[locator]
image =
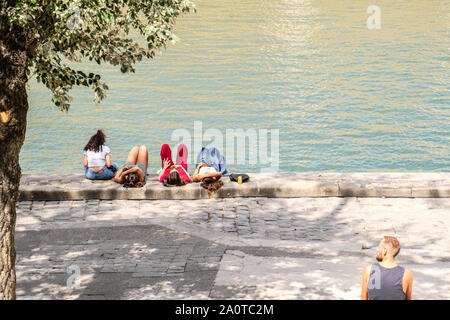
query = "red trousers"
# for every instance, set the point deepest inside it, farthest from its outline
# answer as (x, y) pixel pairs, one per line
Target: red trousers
(166, 153)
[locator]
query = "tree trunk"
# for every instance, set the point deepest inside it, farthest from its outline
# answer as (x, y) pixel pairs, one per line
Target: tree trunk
(14, 57)
(10, 178)
(12, 135)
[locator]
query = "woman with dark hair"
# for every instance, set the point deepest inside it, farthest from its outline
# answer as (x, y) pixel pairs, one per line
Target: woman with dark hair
(134, 172)
(209, 178)
(211, 166)
(174, 174)
(97, 159)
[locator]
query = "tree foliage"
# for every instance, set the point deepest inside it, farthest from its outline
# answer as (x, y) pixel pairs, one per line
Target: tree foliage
(104, 31)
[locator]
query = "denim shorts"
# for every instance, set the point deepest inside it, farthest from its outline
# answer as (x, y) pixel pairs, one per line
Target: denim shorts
(106, 173)
(140, 166)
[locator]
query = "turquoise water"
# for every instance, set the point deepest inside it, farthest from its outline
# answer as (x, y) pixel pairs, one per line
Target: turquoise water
(343, 97)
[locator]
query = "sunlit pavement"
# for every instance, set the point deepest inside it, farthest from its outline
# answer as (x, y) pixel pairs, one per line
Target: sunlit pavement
(233, 248)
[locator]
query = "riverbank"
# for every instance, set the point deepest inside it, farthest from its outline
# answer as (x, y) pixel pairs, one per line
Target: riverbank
(271, 185)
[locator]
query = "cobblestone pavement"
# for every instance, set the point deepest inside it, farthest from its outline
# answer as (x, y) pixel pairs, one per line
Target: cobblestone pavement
(240, 248)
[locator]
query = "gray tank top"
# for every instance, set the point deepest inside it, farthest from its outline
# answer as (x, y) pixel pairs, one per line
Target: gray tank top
(385, 283)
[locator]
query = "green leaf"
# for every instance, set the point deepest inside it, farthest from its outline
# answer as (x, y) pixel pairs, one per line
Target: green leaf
(102, 37)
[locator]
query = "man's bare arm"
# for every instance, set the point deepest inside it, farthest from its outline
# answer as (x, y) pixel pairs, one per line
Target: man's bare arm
(408, 281)
(365, 279)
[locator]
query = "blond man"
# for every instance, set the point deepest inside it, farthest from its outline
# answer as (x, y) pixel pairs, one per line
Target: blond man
(386, 280)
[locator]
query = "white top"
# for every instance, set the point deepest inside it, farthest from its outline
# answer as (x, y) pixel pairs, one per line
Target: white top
(206, 170)
(97, 159)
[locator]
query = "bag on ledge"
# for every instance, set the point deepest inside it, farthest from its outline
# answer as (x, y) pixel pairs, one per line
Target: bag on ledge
(234, 177)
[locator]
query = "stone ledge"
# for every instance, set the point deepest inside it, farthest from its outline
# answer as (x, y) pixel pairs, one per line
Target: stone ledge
(272, 185)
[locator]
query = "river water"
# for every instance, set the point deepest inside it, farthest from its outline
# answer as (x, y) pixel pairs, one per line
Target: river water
(334, 94)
